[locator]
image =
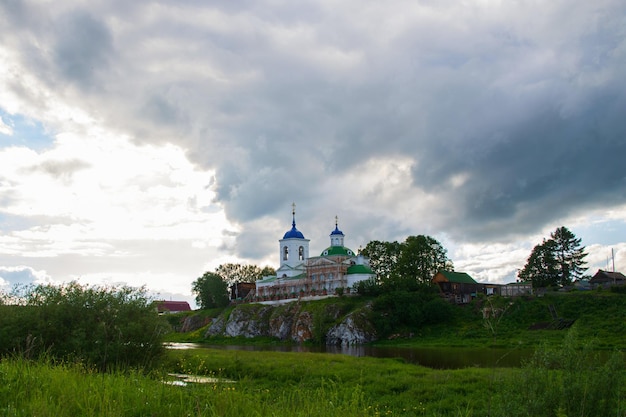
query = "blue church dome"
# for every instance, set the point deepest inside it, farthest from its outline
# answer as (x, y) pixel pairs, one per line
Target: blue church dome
(293, 233)
(336, 231)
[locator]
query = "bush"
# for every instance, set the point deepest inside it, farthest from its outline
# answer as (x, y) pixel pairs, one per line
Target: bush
(408, 310)
(99, 326)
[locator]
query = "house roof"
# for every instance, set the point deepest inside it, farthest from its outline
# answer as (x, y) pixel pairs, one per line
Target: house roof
(173, 306)
(457, 277)
(519, 283)
(606, 276)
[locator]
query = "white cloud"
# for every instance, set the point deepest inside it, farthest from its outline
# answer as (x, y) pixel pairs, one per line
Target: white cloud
(118, 192)
(13, 275)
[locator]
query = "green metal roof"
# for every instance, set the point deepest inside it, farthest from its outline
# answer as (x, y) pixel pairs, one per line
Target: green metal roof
(359, 269)
(458, 277)
(337, 250)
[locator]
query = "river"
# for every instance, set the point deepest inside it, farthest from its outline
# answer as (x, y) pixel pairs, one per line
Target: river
(436, 358)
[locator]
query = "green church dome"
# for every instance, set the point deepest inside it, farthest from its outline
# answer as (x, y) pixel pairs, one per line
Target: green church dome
(337, 250)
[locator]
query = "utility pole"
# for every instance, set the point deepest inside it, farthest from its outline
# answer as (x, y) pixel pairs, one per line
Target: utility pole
(613, 259)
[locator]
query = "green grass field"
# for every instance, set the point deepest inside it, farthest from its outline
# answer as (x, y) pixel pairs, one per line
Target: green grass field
(312, 384)
(267, 384)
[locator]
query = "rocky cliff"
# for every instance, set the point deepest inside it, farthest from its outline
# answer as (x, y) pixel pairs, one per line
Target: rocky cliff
(298, 322)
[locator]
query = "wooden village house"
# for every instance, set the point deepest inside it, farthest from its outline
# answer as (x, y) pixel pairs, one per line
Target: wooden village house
(607, 279)
(457, 287)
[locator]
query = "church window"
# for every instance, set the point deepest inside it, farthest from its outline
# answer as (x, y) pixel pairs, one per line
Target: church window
(285, 253)
(301, 253)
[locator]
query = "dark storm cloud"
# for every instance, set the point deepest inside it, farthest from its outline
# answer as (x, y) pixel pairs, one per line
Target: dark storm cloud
(510, 117)
(82, 47)
(545, 167)
(64, 41)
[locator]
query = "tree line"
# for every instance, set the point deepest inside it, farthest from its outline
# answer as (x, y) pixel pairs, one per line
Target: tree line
(411, 264)
(211, 289)
(406, 264)
(397, 265)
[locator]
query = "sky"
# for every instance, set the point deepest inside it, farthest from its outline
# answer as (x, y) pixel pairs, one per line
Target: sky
(145, 143)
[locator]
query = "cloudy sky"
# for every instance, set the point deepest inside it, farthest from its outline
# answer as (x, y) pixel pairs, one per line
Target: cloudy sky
(147, 142)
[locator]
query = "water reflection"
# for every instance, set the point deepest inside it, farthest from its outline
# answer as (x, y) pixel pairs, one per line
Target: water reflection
(436, 358)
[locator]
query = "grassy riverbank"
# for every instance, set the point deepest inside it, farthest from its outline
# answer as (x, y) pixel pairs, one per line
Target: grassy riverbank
(599, 318)
(279, 384)
(267, 384)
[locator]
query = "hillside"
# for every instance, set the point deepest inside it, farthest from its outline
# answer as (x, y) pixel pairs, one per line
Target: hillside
(599, 317)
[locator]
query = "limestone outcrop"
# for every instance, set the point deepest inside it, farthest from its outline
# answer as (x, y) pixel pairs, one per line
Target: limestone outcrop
(297, 322)
(354, 329)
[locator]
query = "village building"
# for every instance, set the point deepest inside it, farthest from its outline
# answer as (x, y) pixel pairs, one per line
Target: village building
(170, 307)
(335, 271)
(457, 287)
(515, 289)
(241, 290)
(606, 279)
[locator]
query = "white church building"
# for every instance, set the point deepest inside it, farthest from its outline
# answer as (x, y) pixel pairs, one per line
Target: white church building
(335, 271)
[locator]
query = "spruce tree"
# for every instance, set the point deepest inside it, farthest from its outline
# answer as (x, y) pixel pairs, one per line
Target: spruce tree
(569, 255)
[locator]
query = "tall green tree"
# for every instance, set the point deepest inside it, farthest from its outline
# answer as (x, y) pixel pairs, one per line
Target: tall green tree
(569, 255)
(211, 291)
(541, 266)
(408, 264)
(383, 257)
(421, 257)
(556, 261)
